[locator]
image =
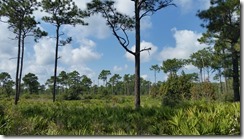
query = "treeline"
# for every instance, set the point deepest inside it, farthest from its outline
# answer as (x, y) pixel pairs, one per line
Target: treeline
(73, 84)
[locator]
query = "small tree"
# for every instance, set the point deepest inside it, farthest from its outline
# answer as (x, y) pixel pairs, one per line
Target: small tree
(86, 83)
(62, 12)
(31, 82)
(177, 89)
(172, 66)
(156, 69)
(114, 80)
(6, 83)
(104, 76)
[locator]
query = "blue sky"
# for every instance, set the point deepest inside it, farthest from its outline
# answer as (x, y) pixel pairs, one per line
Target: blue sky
(171, 32)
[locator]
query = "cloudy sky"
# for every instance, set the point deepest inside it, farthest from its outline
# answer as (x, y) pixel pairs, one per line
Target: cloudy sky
(171, 33)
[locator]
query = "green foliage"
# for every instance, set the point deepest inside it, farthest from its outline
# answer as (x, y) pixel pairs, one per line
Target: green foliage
(154, 91)
(156, 69)
(176, 89)
(31, 82)
(205, 90)
(172, 65)
(63, 12)
(6, 83)
(104, 76)
(116, 116)
(222, 21)
(73, 93)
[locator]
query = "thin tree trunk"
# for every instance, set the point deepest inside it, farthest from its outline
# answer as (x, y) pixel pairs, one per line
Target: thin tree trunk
(56, 63)
(17, 68)
(22, 63)
(155, 76)
(137, 56)
(226, 85)
(201, 75)
(220, 81)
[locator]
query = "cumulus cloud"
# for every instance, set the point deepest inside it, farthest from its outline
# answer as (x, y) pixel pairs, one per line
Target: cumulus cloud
(80, 55)
(97, 28)
(146, 56)
(45, 51)
(8, 50)
(71, 58)
(192, 5)
(186, 44)
(125, 6)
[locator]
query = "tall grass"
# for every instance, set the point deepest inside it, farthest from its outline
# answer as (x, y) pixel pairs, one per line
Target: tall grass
(116, 116)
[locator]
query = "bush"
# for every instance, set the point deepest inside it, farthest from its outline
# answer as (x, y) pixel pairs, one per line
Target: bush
(72, 94)
(154, 91)
(176, 89)
(205, 90)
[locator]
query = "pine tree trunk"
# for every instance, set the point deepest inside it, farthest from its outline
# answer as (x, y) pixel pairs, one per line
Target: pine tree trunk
(56, 64)
(17, 68)
(137, 56)
(236, 85)
(21, 64)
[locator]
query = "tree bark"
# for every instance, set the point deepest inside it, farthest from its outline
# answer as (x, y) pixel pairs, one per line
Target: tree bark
(17, 68)
(235, 74)
(137, 56)
(21, 63)
(56, 63)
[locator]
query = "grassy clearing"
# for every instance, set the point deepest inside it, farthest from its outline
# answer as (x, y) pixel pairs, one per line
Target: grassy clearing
(115, 116)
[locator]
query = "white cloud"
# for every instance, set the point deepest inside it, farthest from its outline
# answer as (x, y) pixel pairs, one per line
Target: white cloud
(8, 50)
(186, 5)
(81, 3)
(144, 76)
(146, 56)
(96, 28)
(81, 55)
(118, 68)
(186, 44)
(146, 23)
(125, 7)
(45, 51)
(71, 58)
(192, 5)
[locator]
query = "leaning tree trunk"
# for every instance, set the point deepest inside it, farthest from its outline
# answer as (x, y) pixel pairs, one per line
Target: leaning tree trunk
(137, 56)
(235, 74)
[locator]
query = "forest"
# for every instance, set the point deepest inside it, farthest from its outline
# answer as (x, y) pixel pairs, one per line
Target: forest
(69, 103)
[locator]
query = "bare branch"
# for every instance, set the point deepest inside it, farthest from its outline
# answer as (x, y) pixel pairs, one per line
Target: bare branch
(146, 49)
(124, 42)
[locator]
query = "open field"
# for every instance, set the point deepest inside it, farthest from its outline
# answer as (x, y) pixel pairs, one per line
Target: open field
(115, 115)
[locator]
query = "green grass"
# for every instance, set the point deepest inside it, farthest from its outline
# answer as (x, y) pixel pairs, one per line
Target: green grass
(115, 115)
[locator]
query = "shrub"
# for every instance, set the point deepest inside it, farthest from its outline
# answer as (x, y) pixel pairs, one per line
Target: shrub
(72, 94)
(176, 89)
(205, 90)
(154, 91)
